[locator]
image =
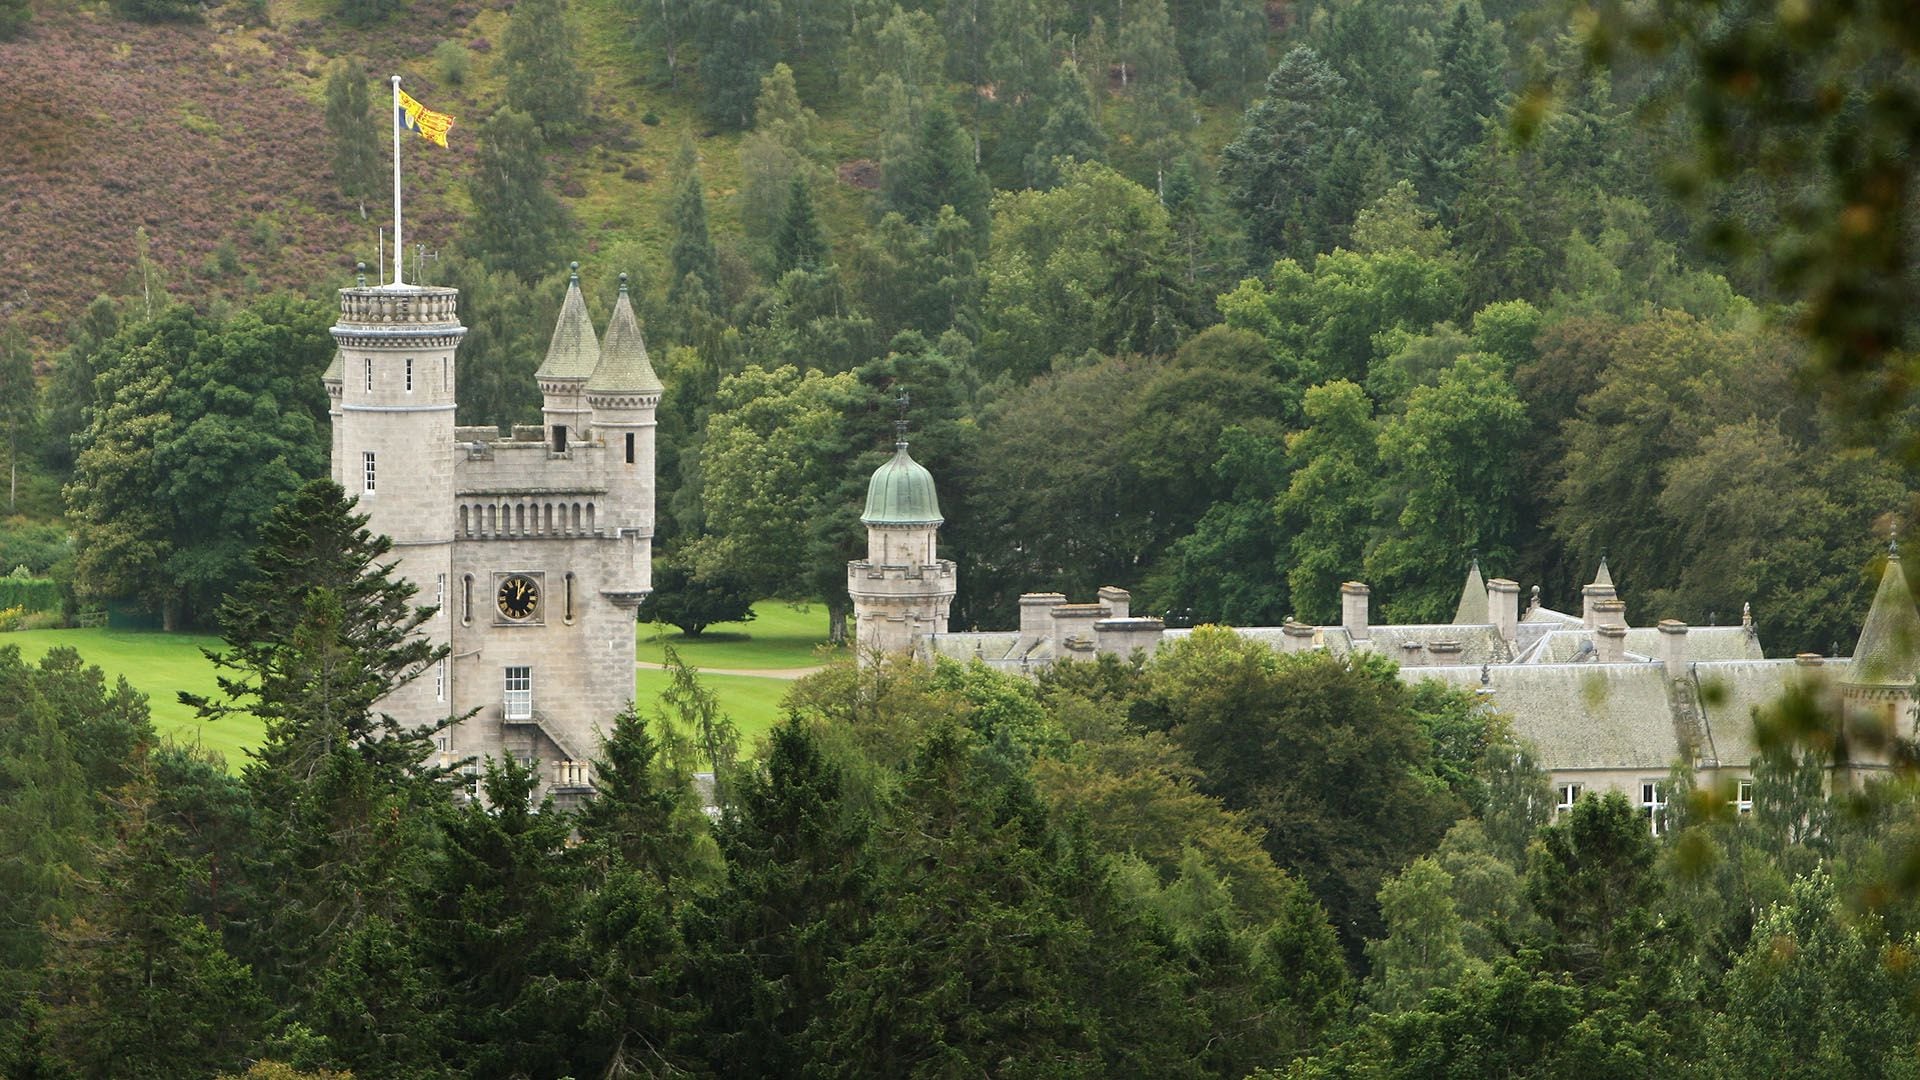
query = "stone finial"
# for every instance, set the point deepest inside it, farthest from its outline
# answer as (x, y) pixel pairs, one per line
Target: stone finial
(360, 274)
(573, 273)
(623, 282)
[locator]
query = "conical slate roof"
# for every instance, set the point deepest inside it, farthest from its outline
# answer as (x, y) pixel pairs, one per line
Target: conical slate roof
(336, 370)
(575, 350)
(1472, 610)
(901, 493)
(1890, 640)
(624, 367)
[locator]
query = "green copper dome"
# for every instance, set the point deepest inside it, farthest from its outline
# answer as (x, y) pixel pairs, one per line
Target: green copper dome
(901, 493)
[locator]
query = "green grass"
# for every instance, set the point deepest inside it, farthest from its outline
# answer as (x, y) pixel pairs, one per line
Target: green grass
(752, 703)
(779, 636)
(159, 666)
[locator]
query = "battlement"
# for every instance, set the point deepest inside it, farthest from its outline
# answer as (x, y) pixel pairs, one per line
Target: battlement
(401, 306)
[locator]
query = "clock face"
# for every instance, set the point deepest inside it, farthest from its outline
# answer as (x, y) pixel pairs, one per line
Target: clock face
(518, 598)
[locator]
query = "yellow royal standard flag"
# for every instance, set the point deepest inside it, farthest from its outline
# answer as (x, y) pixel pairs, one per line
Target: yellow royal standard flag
(431, 125)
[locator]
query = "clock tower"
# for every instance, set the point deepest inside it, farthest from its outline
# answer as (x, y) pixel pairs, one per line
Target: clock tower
(535, 544)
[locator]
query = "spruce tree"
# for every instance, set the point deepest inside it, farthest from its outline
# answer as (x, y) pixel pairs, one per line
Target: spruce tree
(355, 136)
(692, 254)
(544, 78)
(1274, 169)
(738, 42)
(517, 223)
(1069, 131)
(1163, 112)
(1468, 98)
(637, 818)
(797, 892)
(799, 244)
(938, 171)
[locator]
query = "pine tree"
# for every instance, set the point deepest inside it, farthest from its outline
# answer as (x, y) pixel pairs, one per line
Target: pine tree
(738, 42)
(636, 818)
(1468, 98)
(1274, 168)
(1069, 131)
(938, 171)
(692, 254)
(544, 79)
(1163, 112)
(796, 897)
(517, 223)
(316, 638)
(356, 138)
(799, 244)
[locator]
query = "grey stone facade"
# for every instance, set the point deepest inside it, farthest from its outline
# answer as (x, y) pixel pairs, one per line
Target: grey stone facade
(536, 547)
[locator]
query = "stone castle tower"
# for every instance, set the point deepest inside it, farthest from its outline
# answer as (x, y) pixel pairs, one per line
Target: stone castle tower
(902, 589)
(1877, 696)
(536, 548)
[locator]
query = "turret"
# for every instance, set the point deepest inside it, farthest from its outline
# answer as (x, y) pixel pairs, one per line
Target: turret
(623, 395)
(393, 442)
(1472, 608)
(902, 589)
(571, 359)
(1877, 697)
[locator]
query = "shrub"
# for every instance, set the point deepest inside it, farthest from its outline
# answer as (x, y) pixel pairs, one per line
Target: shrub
(31, 594)
(452, 60)
(10, 619)
(157, 10)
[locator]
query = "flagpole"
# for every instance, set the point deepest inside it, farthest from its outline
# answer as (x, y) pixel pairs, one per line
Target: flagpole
(398, 247)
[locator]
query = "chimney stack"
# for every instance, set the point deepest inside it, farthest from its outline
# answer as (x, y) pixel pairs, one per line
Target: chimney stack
(1503, 606)
(1036, 618)
(1673, 647)
(1353, 609)
(1117, 601)
(1610, 643)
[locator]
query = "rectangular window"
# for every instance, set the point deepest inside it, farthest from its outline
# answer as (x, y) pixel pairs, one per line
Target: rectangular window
(445, 364)
(1743, 797)
(366, 459)
(440, 682)
(629, 447)
(369, 366)
(440, 592)
(466, 600)
(1654, 803)
(567, 610)
(519, 700)
(1568, 795)
(560, 438)
(409, 374)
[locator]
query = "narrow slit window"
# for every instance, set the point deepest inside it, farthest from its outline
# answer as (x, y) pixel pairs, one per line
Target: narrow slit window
(440, 682)
(567, 609)
(629, 447)
(369, 368)
(366, 460)
(466, 600)
(409, 374)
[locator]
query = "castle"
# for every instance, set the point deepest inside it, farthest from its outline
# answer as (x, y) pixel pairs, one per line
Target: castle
(535, 549)
(1605, 705)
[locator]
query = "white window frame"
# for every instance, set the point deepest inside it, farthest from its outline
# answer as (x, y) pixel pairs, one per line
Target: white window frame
(1742, 796)
(368, 471)
(1566, 795)
(1653, 802)
(517, 704)
(369, 367)
(440, 680)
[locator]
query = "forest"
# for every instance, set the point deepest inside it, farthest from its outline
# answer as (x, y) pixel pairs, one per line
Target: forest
(1221, 302)
(1222, 862)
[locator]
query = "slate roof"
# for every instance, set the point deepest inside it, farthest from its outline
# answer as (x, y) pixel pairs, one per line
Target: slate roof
(624, 367)
(575, 350)
(1890, 637)
(1472, 609)
(1582, 716)
(1730, 693)
(336, 368)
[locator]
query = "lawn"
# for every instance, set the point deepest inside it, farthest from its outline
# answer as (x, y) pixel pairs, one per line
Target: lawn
(779, 636)
(159, 666)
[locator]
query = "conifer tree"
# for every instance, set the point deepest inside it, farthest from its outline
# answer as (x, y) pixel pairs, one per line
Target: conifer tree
(1469, 91)
(544, 78)
(799, 244)
(738, 42)
(796, 897)
(355, 136)
(938, 170)
(14, 16)
(19, 402)
(1163, 112)
(691, 255)
(1274, 168)
(517, 222)
(636, 818)
(1069, 131)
